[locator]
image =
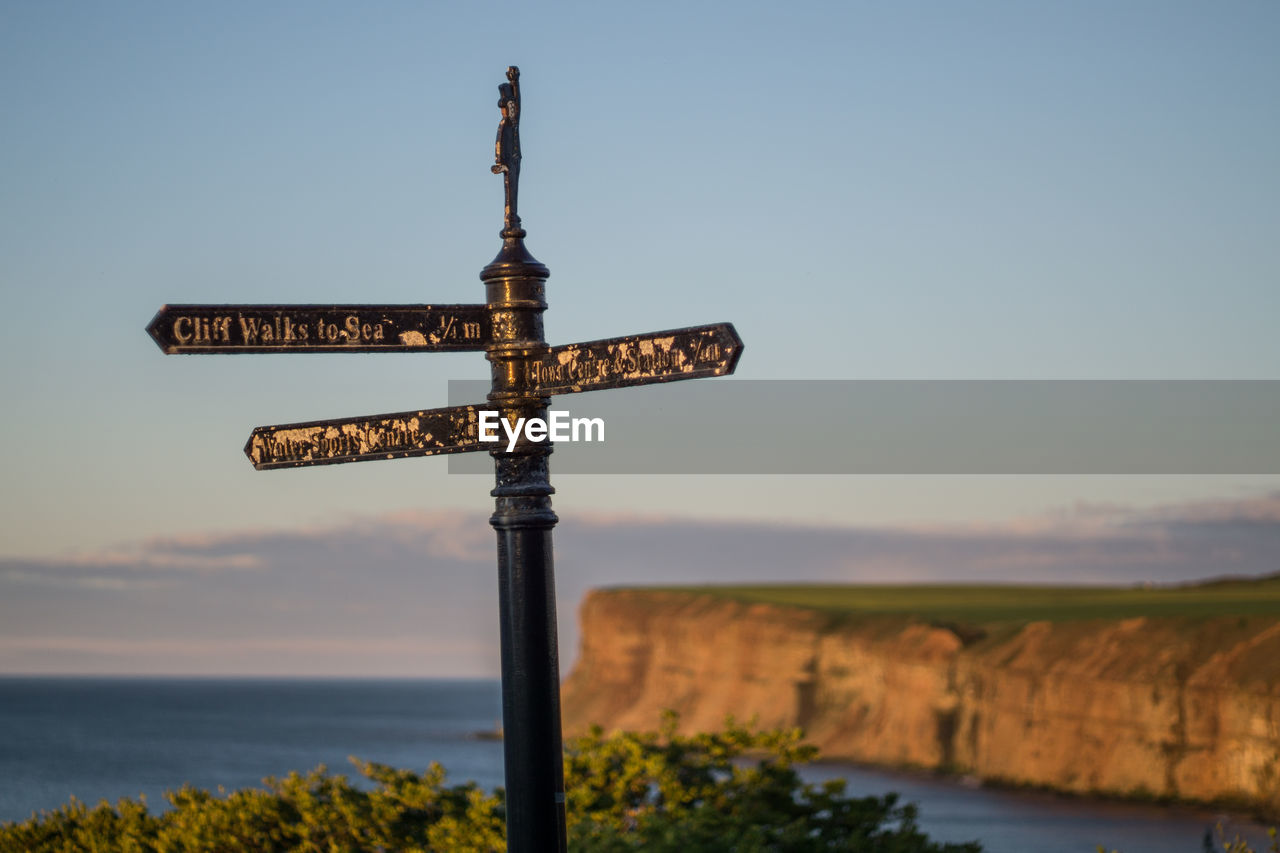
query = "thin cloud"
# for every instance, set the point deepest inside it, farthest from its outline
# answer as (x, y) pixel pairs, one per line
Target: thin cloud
(56, 578)
(415, 593)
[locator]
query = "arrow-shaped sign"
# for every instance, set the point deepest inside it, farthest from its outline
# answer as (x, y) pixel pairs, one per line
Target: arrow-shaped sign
(320, 328)
(675, 354)
(422, 433)
(667, 356)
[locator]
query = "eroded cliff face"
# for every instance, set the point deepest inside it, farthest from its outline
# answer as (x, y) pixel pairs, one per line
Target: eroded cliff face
(1170, 708)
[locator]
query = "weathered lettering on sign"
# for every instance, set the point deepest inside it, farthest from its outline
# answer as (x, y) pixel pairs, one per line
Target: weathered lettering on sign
(675, 354)
(394, 436)
(320, 328)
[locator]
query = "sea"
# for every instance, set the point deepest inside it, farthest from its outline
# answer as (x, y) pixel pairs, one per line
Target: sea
(106, 738)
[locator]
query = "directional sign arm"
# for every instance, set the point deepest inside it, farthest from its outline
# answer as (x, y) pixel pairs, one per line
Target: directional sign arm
(689, 353)
(395, 436)
(320, 328)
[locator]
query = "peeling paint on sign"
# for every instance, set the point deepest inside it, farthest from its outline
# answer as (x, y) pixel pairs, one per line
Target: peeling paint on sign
(395, 436)
(668, 356)
(320, 328)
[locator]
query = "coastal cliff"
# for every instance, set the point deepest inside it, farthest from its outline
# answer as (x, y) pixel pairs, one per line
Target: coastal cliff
(1142, 706)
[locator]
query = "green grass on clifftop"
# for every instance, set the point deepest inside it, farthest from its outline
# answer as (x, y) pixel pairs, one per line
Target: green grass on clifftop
(996, 603)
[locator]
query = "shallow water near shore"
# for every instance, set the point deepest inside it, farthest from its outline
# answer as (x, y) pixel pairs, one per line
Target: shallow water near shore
(1018, 821)
(96, 738)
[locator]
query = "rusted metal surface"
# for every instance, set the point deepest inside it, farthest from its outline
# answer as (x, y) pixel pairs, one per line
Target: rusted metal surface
(689, 353)
(394, 436)
(320, 328)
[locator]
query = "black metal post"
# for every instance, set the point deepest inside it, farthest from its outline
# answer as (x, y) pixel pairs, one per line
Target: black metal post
(515, 290)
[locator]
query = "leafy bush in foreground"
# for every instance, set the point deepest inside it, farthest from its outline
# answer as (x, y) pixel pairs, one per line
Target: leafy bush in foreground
(736, 789)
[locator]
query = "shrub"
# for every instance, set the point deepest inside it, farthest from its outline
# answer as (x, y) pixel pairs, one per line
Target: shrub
(736, 789)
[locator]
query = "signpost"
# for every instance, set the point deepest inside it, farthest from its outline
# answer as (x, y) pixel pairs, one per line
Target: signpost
(524, 373)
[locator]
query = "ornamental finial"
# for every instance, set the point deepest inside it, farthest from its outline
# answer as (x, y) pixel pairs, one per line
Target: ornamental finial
(507, 149)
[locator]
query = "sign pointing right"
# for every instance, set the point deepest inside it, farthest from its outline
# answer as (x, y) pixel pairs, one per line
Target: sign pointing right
(689, 353)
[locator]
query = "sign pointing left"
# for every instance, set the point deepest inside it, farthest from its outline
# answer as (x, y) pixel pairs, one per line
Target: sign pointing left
(320, 328)
(423, 433)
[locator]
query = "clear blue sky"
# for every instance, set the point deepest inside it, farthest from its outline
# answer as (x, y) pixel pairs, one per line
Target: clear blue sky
(980, 190)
